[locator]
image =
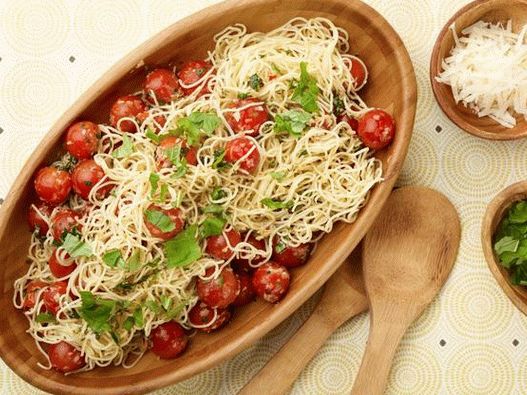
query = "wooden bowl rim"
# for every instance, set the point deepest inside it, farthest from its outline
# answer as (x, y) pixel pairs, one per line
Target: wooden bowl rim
(452, 111)
(495, 209)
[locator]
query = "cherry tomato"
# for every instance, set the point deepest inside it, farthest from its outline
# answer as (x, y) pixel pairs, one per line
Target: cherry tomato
(238, 148)
(354, 124)
(169, 340)
(271, 281)
(192, 72)
(35, 219)
(85, 175)
(51, 296)
(245, 264)
(126, 107)
(163, 83)
(247, 294)
(201, 314)
(217, 245)
(53, 186)
(176, 218)
(169, 142)
(31, 290)
(358, 72)
(64, 222)
(59, 269)
(64, 357)
(292, 256)
(82, 140)
(249, 119)
(218, 292)
(376, 129)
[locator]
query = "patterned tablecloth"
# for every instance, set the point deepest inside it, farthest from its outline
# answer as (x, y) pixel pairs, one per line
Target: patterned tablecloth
(471, 340)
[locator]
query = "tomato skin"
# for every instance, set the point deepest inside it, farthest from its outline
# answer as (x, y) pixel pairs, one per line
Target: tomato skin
(237, 148)
(201, 314)
(218, 292)
(376, 129)
(190, 153)
(248, 120)
(245, 264)
(192, 72)
(36, 221)
(354, 124)
(64, 221)
(81, 139)
(271, 281)
(358, 72)
(129, 106)
(175, 215)
(169, 340)
(85, 175)
(217, 245)
(51, 295)
(31, 290)
(53, 186)
(64, 357)
(163, 83)
(292, 256)
(247, 293)
(58, 269)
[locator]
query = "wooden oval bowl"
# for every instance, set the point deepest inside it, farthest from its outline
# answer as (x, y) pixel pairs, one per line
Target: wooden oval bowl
(391, 85)
(489, 11)
(493, 215)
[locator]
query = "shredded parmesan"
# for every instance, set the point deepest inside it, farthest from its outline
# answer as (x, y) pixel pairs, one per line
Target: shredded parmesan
(487, 71)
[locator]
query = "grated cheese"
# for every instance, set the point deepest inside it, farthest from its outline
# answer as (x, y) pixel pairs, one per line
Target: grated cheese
(487, 71)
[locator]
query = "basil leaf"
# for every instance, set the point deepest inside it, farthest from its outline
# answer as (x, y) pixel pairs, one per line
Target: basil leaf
(213, 209)
(506, 244)
(218, 194)
(152, 136)
(274, 204)
(46, 318)
(160, 220)
(243, 96)
(76, 247)
(183, 249)
(255, 82)
(134, 262)
(518, 213)
(138, 317)
(196, 124)
(179, 198)
(278, 175)
(153, 306)
(113, 258)
(211, 226)
(292, 122)
(219, 162)
(163, 193)
(279, 247)
(306, 90)
(180, 164)
(96, 311)
(128, 323)
(125, 150)
(338, 104)
(154, 182)
(166, 302)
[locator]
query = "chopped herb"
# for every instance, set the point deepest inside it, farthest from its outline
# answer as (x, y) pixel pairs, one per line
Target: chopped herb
(306, 90)
(280, 246)
(134, 262)
(138, 317)
(211, 226)
(166, 302)
(160, 220)
(88, 183)
(255, 82)
(125, 149)
(175, 311)
(113, 258)
(96, 311)
(213, 209)
(153, 306)
(219, 162)
(338, 104)
(274, 204)
(115, 337)
(243, 96)
(179, 198)
(292, 122)
(163, 193)
(183, 249)
(154, 182)
(196, 124)
(200, 71)
(278, 175)
(276, 69)
(218, 194)
(46, 318)
(66, 163)
(152, 136)
(75, 246)
(128, 323)
(174, 155)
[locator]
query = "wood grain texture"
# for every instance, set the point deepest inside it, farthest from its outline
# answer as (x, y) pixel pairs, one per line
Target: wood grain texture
(391, 85)
(407, 256)
(493, 216)
(343, 298)
(489, 11)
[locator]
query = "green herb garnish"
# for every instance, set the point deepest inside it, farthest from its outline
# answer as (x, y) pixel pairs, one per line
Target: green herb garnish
(183, 249)
(113, 258)
(306, 90)
(243, 96)
(218, 194)
(219, 161)
(160, 220)
(274, 204)
(152, 136)
(154, 182)
(211, 226)
(196, 124)
(96, 311)
(255, 82)
(125, 149)
(278, 175)
(76, 247)
(292, 122)
(46, 318)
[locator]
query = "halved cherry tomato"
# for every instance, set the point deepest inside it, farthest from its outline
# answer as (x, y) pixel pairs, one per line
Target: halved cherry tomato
(169, 142)
(217, 245)
(63, 222)
(51, 296)
(53, 186)
(176, 218)
(271, 281)
(245, 264)
(201, 314)
(169, 340)
(64, 357)
(354, 124)
(239, 147)
(35, 219)
(126, 107)
(163, 83)
(358, 72)
(376, 129)
(31, 290)
(218, 292)
(246, 294)
(192, 72)
(81, 139)
(292, 256)
(58, 269)
(249, 119)
(85, 175)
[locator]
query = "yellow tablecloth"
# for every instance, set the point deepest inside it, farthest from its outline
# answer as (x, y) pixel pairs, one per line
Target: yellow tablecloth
(471, 340)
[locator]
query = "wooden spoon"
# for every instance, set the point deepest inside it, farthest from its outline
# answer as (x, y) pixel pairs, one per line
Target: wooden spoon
(408, 255)
(277, 376)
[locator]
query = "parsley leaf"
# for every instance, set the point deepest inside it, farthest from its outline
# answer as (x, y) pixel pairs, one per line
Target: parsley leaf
(174, 155)
(255, 82)
(46, 318)
(76, 247)
(160, 220)
(278, 175)
(96, 311)
(219, 162)
(274, 204)
(211, 226)
(196, 124)
(154, 182)
(113, 258)
(306, 90)
(292, 122)
(125, 149)
(183, 249)
(152, 136)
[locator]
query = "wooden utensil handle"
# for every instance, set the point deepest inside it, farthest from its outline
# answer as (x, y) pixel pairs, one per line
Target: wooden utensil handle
(279, 374)
(374, 371)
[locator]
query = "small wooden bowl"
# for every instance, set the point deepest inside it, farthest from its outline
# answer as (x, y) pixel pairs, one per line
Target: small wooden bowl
(392, 85)
(489, 11)
(493, 216)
